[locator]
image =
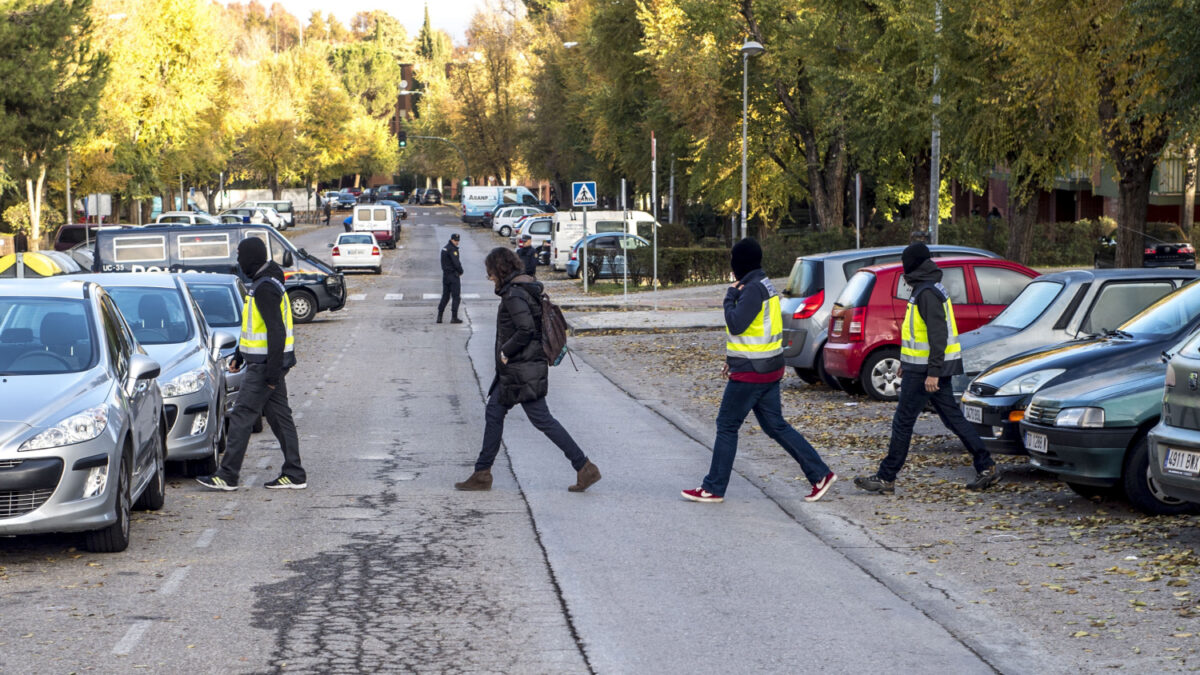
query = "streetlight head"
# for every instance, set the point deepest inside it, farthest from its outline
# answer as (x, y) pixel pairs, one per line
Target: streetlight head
(752, 48)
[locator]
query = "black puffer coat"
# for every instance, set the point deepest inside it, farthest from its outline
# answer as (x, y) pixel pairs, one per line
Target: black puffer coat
(526, 376)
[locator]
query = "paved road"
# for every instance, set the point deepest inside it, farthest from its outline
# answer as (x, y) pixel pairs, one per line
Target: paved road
(381, 566)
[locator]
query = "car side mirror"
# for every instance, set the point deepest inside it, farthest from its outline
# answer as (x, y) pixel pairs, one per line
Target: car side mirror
(221, 340)
(288, 259)
(142, 367)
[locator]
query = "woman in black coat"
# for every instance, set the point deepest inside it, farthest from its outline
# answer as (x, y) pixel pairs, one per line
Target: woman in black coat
(522, 373)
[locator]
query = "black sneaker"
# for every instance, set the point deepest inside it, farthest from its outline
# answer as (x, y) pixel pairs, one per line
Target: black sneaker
(985, 479)
(456, 320)
(285, 483)
(217, 483)
(874, 483)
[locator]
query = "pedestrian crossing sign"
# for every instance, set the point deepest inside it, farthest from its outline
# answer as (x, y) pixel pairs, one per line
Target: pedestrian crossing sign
(583, 193)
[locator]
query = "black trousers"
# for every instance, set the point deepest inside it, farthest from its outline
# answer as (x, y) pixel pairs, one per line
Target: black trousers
(451, 288)
(539, 414)
(912, 401)
(254, 400)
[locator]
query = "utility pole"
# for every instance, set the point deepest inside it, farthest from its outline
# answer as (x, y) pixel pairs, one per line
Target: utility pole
(935, 144)
(70, 215)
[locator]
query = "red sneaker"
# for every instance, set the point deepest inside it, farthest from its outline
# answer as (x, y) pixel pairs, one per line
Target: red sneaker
(702, 495)
(821, 487)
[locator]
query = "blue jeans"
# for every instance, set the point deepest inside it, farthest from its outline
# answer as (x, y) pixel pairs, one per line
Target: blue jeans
(913, 398)
(763, 398)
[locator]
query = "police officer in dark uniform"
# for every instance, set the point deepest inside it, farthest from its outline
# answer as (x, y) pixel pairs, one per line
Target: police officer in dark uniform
(452, 269)
(527, 255)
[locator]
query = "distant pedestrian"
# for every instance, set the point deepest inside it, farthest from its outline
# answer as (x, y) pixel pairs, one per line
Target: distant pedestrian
(929, 354)
(994, 215)
(527, 255)
(348, 223)
(268, 352)
(522, 373)
(452, 270)
(328, 211)
(754, 366)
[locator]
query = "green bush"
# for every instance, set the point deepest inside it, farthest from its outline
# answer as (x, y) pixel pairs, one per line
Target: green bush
(680, 265)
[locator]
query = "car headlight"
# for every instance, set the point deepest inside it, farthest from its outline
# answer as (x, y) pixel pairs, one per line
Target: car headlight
(1090, 418)
(77, 428)
(1027, 384)
(187, 383)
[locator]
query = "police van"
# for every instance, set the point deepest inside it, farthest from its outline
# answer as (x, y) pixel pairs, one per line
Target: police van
(312, 285)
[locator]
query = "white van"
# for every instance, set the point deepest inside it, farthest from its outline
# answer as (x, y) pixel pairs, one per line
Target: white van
(378, 219)
(568, 229)
(479, 199)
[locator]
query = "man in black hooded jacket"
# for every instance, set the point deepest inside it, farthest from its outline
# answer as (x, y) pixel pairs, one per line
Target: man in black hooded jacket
(264, 389)
(928, 361)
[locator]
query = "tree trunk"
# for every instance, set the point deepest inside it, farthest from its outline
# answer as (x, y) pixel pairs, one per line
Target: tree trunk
(275, 191)
(921, 165)
(1189, 190)
(1022, 217)
(1134, 197)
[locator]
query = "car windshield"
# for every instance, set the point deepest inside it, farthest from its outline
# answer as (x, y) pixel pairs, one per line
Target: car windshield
(41, 336)
(219, 302)
(806, 278)
(1029, 305)
(356, 239)
(1167, 316)
(156, 315)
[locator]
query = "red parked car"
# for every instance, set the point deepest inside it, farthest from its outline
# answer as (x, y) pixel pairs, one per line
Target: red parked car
(864, 332)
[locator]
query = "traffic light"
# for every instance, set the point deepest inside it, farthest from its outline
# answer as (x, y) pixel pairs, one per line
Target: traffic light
(402, 137)
(466, 181)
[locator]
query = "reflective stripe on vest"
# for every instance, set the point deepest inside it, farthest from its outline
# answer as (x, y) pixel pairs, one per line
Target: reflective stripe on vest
(764, 338)
(914, 334)
(254, 329)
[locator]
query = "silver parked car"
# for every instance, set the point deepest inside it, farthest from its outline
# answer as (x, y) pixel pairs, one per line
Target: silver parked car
(171, 328)
(221, 298)
(814, 284)
(82, 428)
(1064, 306)
(1174, 444)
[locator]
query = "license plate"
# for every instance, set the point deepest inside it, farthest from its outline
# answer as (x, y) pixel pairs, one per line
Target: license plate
(1035, 442)
(1182, 462)
(973, 413)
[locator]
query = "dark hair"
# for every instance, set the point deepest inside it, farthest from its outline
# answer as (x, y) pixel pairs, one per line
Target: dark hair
(501, 264)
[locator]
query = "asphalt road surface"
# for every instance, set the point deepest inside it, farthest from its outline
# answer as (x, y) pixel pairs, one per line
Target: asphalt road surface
(381, 566)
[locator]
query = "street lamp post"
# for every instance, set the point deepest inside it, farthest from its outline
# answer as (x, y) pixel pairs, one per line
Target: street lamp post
(749, 48)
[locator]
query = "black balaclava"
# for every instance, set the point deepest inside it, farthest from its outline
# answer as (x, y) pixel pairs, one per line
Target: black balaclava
(913, 256)
(745, 257)
(252, 254)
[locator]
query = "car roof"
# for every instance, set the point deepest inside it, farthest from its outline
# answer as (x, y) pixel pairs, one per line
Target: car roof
(853, 253)
(1086, 275)
(51, 287)
(955, 260)
(132, 279)
(200, 277)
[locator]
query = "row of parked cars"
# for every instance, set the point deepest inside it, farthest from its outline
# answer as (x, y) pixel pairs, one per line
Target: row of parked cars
(348, 198)
(1095, 374)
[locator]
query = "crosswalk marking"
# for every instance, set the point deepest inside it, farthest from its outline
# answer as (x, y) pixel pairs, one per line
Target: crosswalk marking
(358, 297)
(437, 296)
(394, 296)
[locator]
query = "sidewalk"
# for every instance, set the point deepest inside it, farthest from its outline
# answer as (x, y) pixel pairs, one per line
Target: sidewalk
(645, 321)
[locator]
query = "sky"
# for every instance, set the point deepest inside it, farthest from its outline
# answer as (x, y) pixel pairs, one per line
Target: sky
(452, 16)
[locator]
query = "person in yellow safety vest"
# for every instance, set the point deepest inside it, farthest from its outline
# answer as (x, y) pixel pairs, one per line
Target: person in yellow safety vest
(929, 356)
(754, 366)
(267, 351)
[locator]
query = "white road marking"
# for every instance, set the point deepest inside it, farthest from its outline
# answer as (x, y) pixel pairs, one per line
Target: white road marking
(431, 296)
(206, 538)
(356, 297)
(132, 636)
(394, 296)
(469, 296)
(172, 583)
(228, 510)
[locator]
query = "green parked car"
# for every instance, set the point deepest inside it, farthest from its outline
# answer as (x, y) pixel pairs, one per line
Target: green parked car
(1093, 433)
(1175, 442)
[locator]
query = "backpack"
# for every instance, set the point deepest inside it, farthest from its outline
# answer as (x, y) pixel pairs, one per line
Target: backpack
(554, 331)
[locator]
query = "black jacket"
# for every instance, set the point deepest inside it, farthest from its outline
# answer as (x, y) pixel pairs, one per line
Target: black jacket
(526, 376)
(933, 312)
(741, 308)
(528, 255)
(451, 265)
(267, 296)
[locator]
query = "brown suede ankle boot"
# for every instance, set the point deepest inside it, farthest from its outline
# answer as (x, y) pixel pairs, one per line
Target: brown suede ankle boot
(585, 478)
(480, 480)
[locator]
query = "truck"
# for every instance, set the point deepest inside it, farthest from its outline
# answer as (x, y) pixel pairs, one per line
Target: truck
(481, 199)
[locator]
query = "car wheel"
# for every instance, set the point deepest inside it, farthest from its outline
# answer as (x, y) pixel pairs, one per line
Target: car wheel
(379, 270)
(304, 306)
(115, 537)
(1092, 492)
(807, 375)
(505, 230)
(155, 495)
(850, 385)
(881, 374)
(1143, 491)
(829, 380)
(207, 466)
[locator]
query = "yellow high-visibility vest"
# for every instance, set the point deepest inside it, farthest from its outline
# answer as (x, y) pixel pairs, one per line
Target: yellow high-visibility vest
(914, 334)
(764, 338)
(253, 345)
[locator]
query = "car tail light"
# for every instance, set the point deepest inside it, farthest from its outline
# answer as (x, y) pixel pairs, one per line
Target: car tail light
(858, 320)
(573, 255)
(374, 250)
(810, 305)
(335, 251)
(1187, 248)
(1150, 250)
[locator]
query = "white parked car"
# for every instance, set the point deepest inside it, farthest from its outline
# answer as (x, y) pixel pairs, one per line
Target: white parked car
(506, 216)
(184, 218)
(537, 227)
(258, 215)
(357, 250)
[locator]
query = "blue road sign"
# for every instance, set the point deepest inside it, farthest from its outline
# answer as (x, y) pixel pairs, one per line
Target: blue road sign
(583, 193)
